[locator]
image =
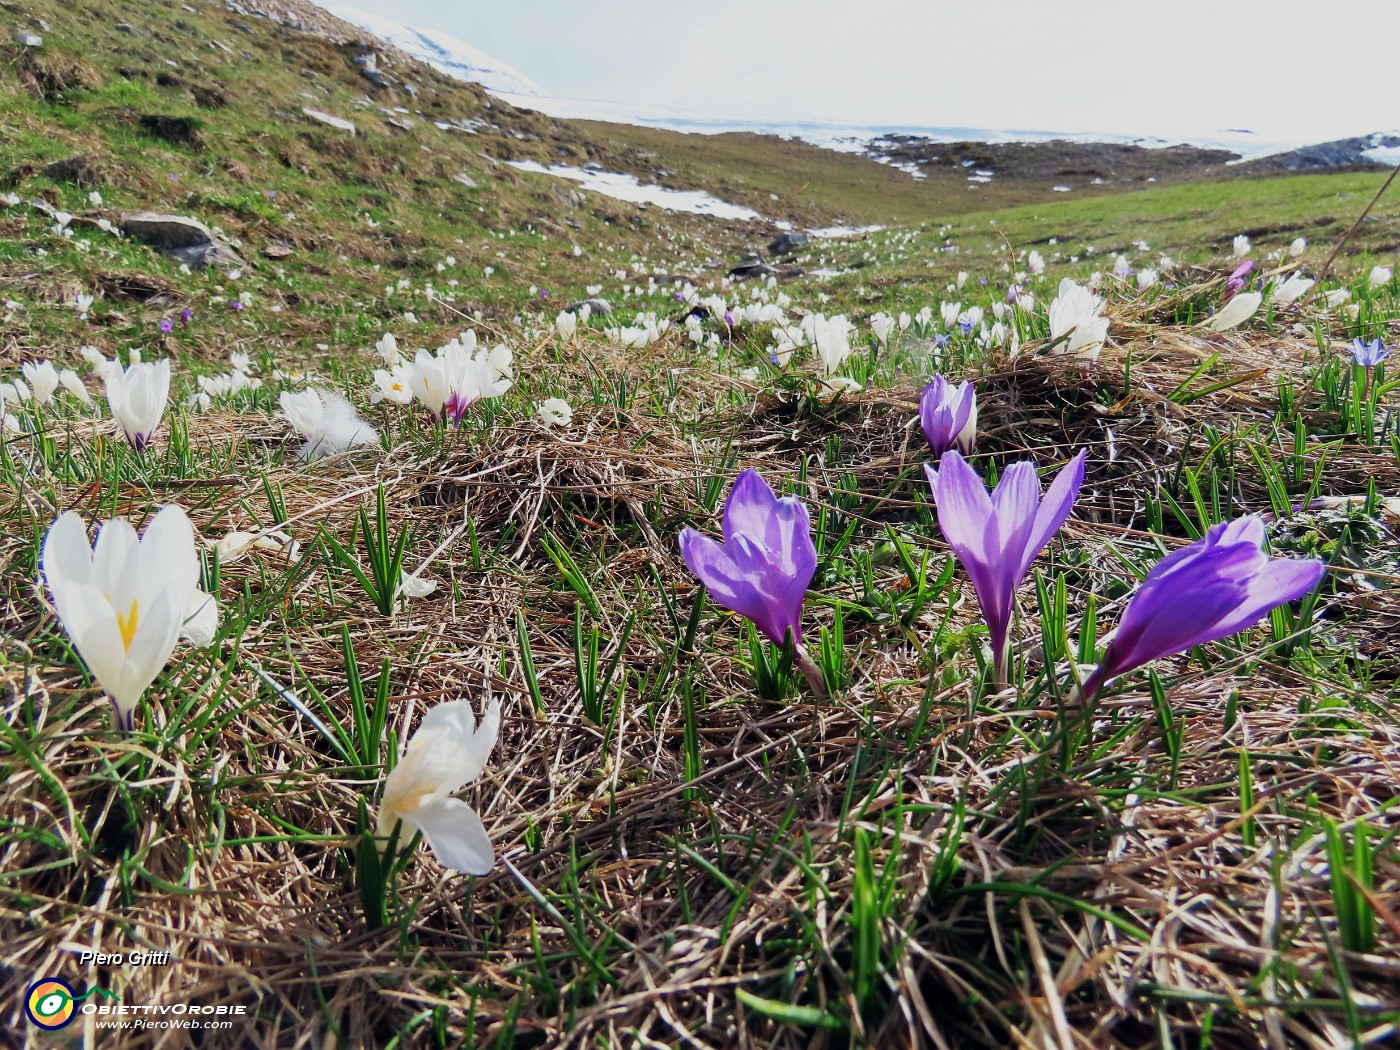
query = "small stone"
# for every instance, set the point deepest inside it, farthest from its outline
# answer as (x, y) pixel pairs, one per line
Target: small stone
(340, 123)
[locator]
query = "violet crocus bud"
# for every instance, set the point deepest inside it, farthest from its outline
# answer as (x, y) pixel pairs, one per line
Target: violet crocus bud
(166, 325)
(1237, 280)
(186, 316)
(762, 568)
(997, 537)
(948, 415)
(1216, 587)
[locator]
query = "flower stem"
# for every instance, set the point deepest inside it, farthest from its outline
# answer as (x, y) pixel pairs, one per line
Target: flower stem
(810, 671)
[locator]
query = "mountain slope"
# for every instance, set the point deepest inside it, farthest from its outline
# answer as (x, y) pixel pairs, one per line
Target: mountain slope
(446, 54)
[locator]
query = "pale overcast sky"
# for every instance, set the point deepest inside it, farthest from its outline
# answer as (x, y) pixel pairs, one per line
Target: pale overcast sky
(1293, 69)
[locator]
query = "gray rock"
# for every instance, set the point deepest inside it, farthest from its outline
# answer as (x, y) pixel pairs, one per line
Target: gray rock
(752, 266)
(368, 61)
(596, 307)
(182, 238)
(787, 243)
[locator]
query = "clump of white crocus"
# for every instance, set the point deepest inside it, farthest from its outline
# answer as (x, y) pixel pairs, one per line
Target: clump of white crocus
(43, 379)
(1380, 275)
(125, 601)
(555, 412)
(1076, 313)
(447, 753)
(136, 396)
(1237, 311)
(1241, 246)
(1292, 288)
(327, 421)
(459, 375)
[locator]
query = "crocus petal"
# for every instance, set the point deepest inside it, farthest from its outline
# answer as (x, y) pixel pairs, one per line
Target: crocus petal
(715, 568)
(455, 834)
(67, 555)
(1281, 581)
(1055, 508)
(964, 508)
(749, 507)
(201, 619)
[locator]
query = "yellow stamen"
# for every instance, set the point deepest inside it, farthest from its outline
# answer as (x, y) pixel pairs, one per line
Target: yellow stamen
(127, 624)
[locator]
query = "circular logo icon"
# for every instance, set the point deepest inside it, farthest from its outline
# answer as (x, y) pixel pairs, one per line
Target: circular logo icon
(49, 1003)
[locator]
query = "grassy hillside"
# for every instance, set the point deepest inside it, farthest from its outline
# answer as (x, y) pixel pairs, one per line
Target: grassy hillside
(693, 847)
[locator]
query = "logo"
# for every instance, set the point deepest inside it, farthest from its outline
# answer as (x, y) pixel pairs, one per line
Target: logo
(49, 1003)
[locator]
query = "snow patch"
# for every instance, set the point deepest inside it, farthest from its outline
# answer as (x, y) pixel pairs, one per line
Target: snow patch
(625, 187)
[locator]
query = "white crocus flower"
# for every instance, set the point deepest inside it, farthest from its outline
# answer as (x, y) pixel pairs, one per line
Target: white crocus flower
(950, 313)
(327, 421)
(1238, 310)
(137, 395)
(1241, 246)
(1380, 275)
(1292, 288)
(101, 364)
(411, 586)
(447, 753)
(43, 379)
(1146, 278)
(832, 338)
(1336, 296)
(881, 325)
(241, 362)
(1076, 312)
(393, 385)
(566, 324)
(1298, 247)
(1035, 263)
(555, 412)
(236, 545)
(71, 382)
(125, 601)
(82, 303)
(388, 349)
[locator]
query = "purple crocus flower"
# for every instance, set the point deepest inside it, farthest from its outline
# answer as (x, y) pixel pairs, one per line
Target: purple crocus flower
(948, 414)
(235, 304)
(997, 537)
(1216, 587)
(166, 325)
(762, 568)
(941, 340)
(1239, 278)
(1368, 355)
(965, 327)
(186, 316)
